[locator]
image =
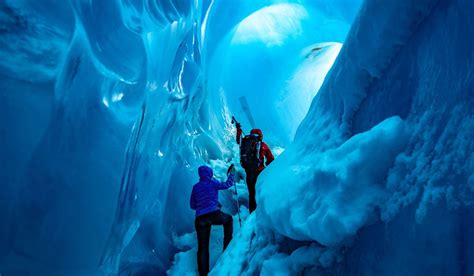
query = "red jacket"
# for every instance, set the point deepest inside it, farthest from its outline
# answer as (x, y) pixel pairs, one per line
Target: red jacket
(265, 151)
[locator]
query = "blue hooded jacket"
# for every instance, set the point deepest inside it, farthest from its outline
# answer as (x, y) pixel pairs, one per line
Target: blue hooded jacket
(205, 195)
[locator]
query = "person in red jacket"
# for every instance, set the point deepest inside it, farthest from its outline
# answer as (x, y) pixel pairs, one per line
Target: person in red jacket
(265, 158)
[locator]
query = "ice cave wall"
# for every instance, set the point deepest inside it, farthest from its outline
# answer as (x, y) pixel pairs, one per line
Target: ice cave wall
(268, 54)
(107, 107)
(86, 132)
(387, 194)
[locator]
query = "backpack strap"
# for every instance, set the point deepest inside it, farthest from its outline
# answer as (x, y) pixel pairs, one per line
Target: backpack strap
(259, 147)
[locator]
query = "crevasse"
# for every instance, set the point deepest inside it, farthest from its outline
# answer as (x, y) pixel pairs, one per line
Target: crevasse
(107, 109)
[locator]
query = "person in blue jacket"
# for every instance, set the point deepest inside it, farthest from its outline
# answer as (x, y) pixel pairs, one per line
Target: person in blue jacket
(205, 200)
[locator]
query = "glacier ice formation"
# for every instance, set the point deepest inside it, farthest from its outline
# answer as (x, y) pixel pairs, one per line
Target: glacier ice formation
(108, 107)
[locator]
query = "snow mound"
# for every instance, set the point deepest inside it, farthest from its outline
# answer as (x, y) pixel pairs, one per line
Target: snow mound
(327, 196)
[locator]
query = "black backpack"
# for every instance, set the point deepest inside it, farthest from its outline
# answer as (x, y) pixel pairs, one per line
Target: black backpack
(249, 152)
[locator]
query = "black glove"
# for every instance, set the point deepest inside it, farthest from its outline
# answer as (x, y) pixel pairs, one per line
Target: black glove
(231, 169)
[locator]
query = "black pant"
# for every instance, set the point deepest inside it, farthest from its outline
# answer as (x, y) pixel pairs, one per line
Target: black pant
(251, 181)
(203, 229)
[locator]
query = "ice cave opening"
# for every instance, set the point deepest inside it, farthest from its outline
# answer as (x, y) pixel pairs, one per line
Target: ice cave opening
(109, 107)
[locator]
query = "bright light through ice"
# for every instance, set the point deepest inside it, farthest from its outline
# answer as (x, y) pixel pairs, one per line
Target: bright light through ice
(271, 25)
(117, 97)
(105, 101)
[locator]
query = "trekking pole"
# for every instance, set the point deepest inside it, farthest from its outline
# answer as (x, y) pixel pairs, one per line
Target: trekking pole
(238, 204)
(236, 196)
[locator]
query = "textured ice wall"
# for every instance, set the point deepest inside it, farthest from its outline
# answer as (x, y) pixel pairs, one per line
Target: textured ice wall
(379, 178)
(97, 98)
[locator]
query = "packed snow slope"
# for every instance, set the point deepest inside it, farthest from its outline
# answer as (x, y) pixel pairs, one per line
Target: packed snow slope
(108, 107)
(380, 177)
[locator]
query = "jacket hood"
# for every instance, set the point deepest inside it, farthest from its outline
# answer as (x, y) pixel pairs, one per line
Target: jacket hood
(205, 172)
(257, 131)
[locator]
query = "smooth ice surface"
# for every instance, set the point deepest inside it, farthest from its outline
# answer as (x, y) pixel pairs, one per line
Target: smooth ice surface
(108, 108)
(267, 54)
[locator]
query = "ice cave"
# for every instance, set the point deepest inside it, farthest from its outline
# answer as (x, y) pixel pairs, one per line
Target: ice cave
(110, 108)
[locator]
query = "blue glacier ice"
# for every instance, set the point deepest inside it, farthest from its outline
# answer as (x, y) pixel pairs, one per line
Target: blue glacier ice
(108, 108)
